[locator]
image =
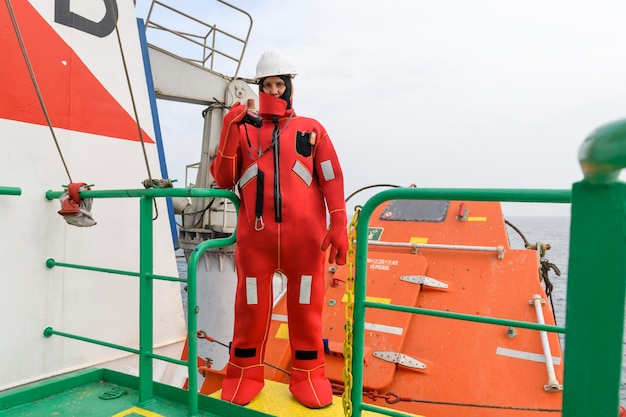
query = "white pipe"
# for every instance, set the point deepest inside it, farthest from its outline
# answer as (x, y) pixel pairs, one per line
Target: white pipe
(553, 384)
(498, 249)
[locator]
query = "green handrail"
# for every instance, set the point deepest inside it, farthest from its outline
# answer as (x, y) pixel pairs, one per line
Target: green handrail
(597, 277)
(192, 328)
(146, 278)
(360, 303)
(151, 192)
(10, 191)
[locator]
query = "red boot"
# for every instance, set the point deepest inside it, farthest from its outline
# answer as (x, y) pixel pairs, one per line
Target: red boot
(242, 384)
(311, 387)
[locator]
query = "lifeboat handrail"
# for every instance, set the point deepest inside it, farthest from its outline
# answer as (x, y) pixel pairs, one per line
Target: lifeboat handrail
(10, 191)
(553, 383)
(498, 249)
(146, 279)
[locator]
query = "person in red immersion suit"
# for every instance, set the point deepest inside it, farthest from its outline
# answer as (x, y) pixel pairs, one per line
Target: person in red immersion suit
(288, 176)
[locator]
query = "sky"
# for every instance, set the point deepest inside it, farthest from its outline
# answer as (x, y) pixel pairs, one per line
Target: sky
(441, 94)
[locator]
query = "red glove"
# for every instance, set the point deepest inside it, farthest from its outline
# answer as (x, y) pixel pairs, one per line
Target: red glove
(337, 238)
(236, 113)
(229, 140)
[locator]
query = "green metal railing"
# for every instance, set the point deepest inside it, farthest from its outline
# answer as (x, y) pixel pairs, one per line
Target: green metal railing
(10, 191)
(596, 289)
(360, 303)
(146, 278)
(597, 277)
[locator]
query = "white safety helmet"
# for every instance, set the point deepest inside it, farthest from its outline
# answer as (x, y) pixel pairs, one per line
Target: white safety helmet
(274, 62)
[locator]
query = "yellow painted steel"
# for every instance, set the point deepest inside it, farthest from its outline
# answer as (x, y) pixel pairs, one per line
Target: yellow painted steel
(136, 411)
(381, 300)
(276, 400)
(283, 331)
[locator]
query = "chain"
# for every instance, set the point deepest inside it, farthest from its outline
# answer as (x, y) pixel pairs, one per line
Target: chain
(347, 345)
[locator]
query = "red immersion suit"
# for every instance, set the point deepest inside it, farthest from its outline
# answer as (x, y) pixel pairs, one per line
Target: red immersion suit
(288, 175)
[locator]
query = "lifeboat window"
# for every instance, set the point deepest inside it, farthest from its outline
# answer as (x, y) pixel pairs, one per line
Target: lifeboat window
(416, 210)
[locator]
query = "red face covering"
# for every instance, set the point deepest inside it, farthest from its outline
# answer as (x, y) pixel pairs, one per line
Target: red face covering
(270, 105)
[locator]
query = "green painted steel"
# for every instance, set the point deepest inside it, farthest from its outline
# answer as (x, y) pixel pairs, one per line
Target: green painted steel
(146, 290)
(146, 295)
(603, 153)
(51, 262)
(596, 289)
(29, 393)
(595, 300)
(78, 394)
(10, 191)
(466, 317)
(49, 331)
(150, 192)
(596, 284)
(192, 307)
(504, 195)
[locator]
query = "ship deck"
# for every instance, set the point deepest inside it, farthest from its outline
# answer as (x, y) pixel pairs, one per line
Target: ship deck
(105, 393)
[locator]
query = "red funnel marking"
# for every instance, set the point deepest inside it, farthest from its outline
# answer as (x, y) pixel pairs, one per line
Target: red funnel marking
(73, 96)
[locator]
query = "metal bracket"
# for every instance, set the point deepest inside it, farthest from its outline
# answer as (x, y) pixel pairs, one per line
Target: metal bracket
(553, 387)
(400, 359)
(424, 280)
(532, 302)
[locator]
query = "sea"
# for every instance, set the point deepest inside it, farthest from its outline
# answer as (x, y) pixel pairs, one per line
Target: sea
(553, 230)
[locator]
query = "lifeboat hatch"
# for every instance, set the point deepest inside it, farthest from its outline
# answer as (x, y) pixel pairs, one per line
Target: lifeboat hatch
(385, 331)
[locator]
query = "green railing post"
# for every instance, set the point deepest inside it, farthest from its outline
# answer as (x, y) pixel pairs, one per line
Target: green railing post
(146, 313)
(192, 303)
(596, 287)
(595, 301)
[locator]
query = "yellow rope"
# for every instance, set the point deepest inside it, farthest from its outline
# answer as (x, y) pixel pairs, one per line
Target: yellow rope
(347, 345)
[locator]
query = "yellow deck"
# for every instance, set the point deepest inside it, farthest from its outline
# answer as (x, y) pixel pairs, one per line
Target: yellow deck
(275, 399)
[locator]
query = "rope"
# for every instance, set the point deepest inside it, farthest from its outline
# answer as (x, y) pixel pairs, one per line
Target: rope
(201, 334)
(112, 393)
(393, 398)
(519, 232)
(201, 211)
(130, 90)
(371, 186)
(347, 345)
(31, 72)
(545, 265)
(42, 103)
(150, 183)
